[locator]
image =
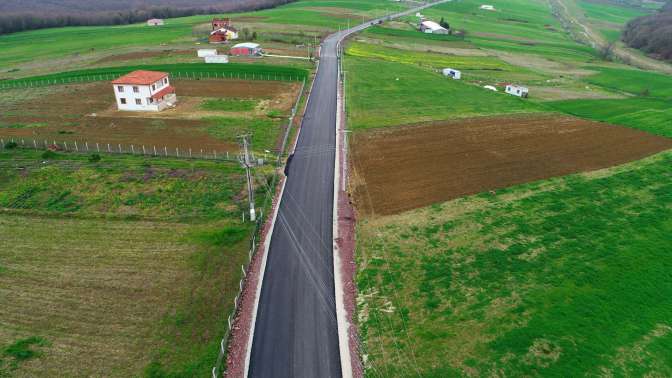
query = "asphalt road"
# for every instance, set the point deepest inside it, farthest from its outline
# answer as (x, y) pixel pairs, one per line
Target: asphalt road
(296, 332)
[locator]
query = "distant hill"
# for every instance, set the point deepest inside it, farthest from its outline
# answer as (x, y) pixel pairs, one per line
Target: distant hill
(20, 15)
(652, 34)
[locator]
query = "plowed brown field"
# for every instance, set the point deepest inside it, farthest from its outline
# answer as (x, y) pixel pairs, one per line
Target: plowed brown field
(394, 170)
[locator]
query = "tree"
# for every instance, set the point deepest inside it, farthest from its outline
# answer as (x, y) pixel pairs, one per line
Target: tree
(444, 24)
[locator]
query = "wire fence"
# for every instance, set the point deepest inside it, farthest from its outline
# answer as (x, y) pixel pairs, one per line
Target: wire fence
(188, 75)
(219, 367)
(86, 147)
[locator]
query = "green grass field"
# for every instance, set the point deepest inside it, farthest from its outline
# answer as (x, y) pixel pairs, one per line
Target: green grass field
(566, 277)
(652, 115)
(132, 262)
(312, 16)
(637, 82)
(382, 93)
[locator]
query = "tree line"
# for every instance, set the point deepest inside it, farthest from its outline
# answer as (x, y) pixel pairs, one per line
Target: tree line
(652, 34)
(33, 20)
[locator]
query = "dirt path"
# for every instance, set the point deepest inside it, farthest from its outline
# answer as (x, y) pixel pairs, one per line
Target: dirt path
(571, 17)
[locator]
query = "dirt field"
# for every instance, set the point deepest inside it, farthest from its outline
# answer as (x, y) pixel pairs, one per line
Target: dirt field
(399, 169)
(144, 55)
(88, 113)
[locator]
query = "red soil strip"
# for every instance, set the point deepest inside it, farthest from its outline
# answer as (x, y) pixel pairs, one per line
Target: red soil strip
(403, 168)
(242, 323)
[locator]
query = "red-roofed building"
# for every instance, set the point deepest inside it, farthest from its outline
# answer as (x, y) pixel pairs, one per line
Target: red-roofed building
(144, 91)
(218, 23)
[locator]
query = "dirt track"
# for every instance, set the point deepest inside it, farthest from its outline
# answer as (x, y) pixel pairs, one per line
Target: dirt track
(399, 169)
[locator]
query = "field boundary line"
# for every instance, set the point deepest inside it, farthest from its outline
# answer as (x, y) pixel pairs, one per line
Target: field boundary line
(343, 321)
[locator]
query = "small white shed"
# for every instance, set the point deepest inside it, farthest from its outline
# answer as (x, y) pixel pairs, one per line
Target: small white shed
(490, 87)
(517, 90)
(155, 22)
(455, 74)
(202, 53)
(217, 59)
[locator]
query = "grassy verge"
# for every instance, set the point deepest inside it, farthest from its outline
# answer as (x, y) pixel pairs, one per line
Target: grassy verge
(131, 262)
(566, 277)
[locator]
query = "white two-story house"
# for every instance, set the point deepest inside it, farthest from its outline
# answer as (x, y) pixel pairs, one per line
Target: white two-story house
(148, 91)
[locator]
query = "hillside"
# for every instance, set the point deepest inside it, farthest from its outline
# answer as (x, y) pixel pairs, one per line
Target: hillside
(652, 34)
(20, 15)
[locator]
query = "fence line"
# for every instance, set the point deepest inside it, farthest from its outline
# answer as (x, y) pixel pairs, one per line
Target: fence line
(84, 147)
(189, 75)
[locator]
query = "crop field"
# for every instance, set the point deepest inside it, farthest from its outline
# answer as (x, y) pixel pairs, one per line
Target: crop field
(564, 277)
(120, 267)
(87, 113)
(404, 168)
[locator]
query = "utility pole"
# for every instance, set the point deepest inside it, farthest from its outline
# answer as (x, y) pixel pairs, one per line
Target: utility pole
(246, 162)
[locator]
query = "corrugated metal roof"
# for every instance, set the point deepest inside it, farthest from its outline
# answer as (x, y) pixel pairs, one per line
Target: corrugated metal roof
(433, 25)
(141, 77)
(248, 45)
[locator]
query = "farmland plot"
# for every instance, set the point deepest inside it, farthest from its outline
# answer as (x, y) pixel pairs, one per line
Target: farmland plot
(405, 168)
(87, 113)
(125, 266)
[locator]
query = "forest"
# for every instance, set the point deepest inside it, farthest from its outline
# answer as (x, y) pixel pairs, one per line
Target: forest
(652, 34)
(22, 15)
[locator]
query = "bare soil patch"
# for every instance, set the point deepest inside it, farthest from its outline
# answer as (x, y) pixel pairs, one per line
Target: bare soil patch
(394, 170)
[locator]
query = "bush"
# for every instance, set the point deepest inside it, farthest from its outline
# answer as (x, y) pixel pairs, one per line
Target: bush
(10, 145)
(94, 158)
(49, 154)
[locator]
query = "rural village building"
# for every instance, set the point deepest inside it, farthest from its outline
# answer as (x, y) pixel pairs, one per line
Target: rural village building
(144, 91)
(455, 74)
(431, 27)
(218, 23)
(155, 22)
(517, 90)
(222, 35)
(217, 59)
(247, 48)
(202, 53)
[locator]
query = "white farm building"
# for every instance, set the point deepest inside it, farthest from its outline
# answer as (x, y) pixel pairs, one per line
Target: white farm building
(455, 74)
(202, 53)
(148, 91)
(517, 90)
(487, 7)
(155, 22)
(432, 27)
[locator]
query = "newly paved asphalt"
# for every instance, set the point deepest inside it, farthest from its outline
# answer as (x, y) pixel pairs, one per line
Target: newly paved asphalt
(296, 332)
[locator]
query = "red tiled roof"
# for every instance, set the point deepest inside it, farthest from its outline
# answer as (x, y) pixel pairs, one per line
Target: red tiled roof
(163, 92)
(141, 77)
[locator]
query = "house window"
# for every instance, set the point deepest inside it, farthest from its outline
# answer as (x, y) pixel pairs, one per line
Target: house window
(153, 87)
(165, 80)
(138, 101)
(123, 101)
(149, 100)
(120, 89)
(136, 90)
